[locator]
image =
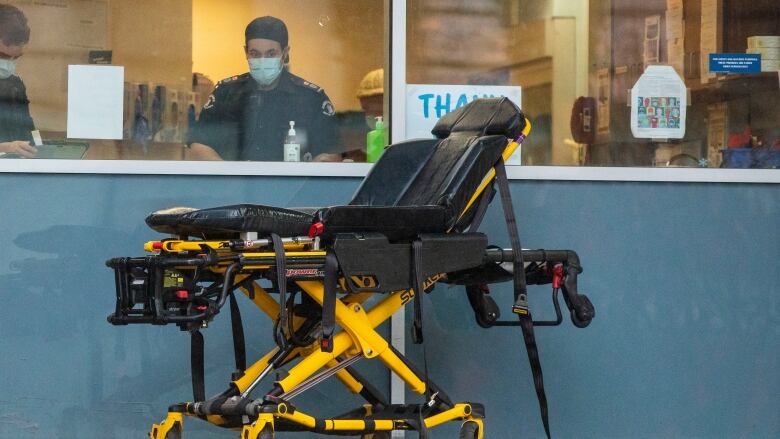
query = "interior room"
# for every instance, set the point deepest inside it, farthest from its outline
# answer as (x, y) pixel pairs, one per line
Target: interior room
(382, 219)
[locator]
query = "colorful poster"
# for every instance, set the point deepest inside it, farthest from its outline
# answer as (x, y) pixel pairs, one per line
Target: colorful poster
(658, 104)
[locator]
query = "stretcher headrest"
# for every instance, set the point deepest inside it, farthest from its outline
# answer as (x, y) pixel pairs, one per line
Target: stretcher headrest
(489, 116)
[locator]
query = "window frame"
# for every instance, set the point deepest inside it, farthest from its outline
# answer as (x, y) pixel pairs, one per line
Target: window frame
(395, 82)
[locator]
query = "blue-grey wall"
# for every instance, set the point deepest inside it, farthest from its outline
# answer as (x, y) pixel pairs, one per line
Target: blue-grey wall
(684, 277)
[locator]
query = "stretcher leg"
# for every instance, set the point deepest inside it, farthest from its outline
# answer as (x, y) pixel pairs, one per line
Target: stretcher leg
(358, 328)
(262, 428)
(472, 428)
(170, 428)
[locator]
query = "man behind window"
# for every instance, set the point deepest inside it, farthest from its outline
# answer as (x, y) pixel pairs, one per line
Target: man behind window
(15, 121)
(247, 117)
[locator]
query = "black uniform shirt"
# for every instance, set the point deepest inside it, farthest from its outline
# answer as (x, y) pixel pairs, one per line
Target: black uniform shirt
(242, 122)
(15, 120)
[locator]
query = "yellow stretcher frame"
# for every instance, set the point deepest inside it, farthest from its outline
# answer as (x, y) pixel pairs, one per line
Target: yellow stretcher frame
(358, 336)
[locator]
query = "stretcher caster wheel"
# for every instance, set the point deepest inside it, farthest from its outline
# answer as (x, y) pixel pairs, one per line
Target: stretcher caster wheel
(376, 435)
(469, 430)
(267, 433)
(173, 433)
(170, 428)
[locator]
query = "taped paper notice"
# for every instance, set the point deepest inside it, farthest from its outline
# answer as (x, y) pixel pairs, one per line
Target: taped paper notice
(95, 102)
(658, 104)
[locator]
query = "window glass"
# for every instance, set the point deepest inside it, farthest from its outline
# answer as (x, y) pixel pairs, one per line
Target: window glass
(708, 95)
(259, 80)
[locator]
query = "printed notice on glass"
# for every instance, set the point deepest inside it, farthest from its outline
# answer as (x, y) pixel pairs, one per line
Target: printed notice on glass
(658, 104)
(95, 97)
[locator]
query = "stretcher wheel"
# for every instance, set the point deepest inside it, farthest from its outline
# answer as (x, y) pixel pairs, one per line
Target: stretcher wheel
(267, 433)
(173, 433)
(469, 430)
(376, 435)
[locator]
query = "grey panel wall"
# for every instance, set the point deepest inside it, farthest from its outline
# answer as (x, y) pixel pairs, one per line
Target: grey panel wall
(683, 277)
(685, 343)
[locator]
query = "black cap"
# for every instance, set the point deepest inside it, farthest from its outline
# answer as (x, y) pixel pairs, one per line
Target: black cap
(269, 28)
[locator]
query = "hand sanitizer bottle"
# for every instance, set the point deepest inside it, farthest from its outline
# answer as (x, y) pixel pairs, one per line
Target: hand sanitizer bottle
(375, 141)
(292, 148)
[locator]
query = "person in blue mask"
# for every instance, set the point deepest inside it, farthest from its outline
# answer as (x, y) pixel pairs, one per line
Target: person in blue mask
(16, 125)
(247, 117)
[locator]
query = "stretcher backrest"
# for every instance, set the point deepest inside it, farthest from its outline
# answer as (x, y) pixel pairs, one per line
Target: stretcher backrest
(390, 177)
(445, 171)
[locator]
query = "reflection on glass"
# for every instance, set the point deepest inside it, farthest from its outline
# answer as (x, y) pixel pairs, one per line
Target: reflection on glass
(203, 81)
(293, 93)
(578, 60)
(267, 114)
(16, 125)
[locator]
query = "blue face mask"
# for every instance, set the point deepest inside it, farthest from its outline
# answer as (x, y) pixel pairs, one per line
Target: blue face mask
(265, 70)
(7, 68)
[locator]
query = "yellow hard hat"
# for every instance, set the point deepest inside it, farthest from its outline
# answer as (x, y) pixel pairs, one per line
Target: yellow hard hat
(372, 84)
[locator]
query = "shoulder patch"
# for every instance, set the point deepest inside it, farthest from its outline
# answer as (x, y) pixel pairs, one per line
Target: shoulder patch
(231, 79)
(210, 102)
(312, 85)
(327, 108)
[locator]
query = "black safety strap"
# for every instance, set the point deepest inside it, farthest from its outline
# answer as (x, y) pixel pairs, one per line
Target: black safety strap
(329, 302)
(239, 345)
(417, 333)
(281, 285)
(521, 290)
(197, 366)
(511, 224)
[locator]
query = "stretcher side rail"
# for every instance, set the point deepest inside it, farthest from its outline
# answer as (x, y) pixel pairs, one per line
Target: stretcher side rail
(156, 298)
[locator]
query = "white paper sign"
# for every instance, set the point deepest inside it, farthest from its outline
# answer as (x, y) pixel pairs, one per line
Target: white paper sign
(658, 104)
(95, 98)
(426, 103)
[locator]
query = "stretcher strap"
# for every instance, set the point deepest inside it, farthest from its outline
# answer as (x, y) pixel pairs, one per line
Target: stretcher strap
(511, 224)
(521, 289)
(329, 302)
(239, 345)
(281, 285)
(197, 366)
(417, 332)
